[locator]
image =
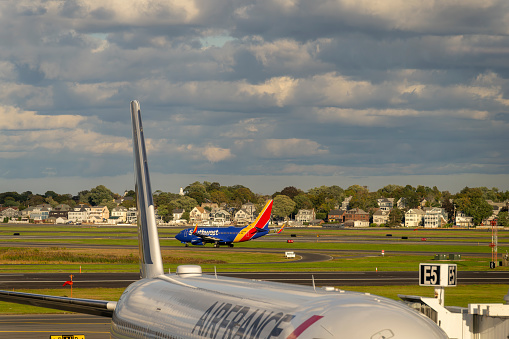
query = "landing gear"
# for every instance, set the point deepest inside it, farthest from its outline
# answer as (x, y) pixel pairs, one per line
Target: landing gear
(216, 245)
(230, 245)
(187, 245)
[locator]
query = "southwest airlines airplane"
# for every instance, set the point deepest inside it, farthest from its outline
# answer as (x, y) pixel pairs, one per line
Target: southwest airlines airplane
(190, 304)
(228, 235)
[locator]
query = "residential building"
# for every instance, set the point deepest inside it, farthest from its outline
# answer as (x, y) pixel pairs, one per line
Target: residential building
(345, 204)
(250, 208)
(336, 215)
(414, 217)
(177, 216)
(58, 213)
(242, 217)
(401, 203)
(463, 220)
(386, 204)
(220, 217)
(132, 215)
(435, 217)
(198, 215)
(381, 217)
(98, 214)
(305, 215)
(9, 212)
(357, 218)
(78, 213)
(119, 214)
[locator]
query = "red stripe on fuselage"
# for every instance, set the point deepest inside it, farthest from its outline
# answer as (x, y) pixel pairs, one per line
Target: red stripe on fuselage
(304, 326)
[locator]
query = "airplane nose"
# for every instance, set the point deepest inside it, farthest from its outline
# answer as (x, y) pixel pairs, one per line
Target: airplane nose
(366, 316)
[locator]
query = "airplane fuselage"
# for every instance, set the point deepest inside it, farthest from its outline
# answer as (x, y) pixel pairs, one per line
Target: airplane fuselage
(220, 235)
(230, 308)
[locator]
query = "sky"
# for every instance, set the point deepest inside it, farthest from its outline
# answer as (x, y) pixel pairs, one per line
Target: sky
(265, 94)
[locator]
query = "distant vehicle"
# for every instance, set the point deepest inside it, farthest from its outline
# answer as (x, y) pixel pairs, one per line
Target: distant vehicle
(229, 235)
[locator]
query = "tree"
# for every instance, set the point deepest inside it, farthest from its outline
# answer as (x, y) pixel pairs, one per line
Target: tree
(302, 201)
(96, 195)
(503, 219)
(290, 192)
(197, 191)
(186, 203)
(282, 206)
(395, 217)
(471, 202)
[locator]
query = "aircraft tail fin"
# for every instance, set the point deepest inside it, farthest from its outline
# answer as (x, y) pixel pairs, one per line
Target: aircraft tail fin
(262, 221)
(151, 263)
(195, 228)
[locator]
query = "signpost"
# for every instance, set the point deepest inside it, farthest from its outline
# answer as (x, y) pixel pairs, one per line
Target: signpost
(438, 276)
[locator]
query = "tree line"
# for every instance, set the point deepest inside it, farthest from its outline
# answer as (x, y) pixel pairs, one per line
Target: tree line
(287, 202)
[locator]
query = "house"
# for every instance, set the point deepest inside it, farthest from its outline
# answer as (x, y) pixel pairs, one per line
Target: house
(78, 213)
(242, 217)
(132, 215)
(98, 214)
(401, 203)
(435, 217)
(414, 217)
(250, 208)
(463, 220)
(345, 204)
(381, 217)
(198, 215)
(336, 215)
(357, 218)
(386, 204)
(40, 214)
(220, 217)
(177, 216)
(9, 212)
(58, 213)
(305, 215)
(119, 214)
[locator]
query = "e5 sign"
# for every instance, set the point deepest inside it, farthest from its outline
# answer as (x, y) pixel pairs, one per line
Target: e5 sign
(437, 275)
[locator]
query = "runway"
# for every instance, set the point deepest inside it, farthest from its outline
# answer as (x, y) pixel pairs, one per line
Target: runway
(44, 325)
(373, 278)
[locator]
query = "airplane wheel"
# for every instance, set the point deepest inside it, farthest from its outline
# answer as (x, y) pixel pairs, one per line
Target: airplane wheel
(231, 245)
(216, 245)
(187, 245)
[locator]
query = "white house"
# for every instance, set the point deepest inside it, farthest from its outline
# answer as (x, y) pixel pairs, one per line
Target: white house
(414, 217)
(435, 217)
(305, 215)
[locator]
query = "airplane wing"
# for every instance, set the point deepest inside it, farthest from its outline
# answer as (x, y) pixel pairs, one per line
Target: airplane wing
(88, 306)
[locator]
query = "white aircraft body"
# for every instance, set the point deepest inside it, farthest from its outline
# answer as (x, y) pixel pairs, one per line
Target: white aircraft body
(189, 304)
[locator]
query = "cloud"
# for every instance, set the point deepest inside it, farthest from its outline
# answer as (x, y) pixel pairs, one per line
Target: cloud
(15, 119)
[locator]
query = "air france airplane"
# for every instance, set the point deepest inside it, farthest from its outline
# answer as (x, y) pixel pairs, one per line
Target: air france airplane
(228, 235)
(190, 304)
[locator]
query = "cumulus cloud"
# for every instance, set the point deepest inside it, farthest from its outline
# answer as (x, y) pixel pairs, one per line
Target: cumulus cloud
(15, 119)
(291, 87)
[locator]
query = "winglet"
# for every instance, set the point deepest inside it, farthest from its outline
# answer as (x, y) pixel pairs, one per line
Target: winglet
(151, 263)
(281, 229)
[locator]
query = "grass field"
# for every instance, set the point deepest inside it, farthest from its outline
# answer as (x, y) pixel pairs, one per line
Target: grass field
(356, 250)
